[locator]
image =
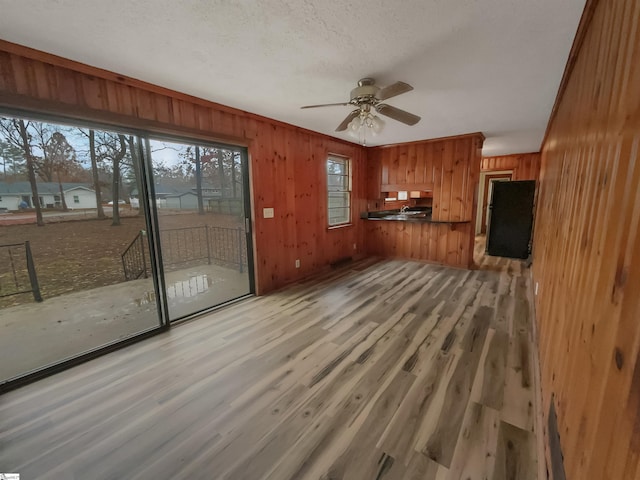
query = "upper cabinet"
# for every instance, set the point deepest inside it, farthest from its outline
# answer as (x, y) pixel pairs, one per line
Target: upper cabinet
(405, 167)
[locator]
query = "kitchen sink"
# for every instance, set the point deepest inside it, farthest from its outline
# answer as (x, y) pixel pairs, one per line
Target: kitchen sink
(396, 215)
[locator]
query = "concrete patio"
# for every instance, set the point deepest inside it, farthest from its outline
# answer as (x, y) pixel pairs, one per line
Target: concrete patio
(39, 334)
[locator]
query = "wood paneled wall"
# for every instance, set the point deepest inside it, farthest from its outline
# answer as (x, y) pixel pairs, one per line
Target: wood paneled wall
(432, 242)
(587, 248)
(525, 166)
(451, 166)
(287, 163)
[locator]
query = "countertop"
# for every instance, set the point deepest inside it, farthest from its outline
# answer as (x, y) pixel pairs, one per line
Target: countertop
(413, 216)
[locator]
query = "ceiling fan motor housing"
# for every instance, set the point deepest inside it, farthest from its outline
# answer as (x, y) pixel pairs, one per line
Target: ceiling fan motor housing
(365, 92)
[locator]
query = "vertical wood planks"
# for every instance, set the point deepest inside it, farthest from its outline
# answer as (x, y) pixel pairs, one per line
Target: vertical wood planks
(525, 166)
(432, 242)
(587, 248)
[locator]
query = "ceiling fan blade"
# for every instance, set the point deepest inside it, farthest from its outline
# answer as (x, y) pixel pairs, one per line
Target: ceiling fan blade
(326, 105)
(397, 114)
(345, 123)
(393, 90)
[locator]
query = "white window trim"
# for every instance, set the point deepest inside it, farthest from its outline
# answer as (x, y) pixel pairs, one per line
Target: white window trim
(332, 156)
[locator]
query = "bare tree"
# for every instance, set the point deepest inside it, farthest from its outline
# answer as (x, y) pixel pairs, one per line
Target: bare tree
(10, 154)
(135, 165)
(42, 165)
(192, 165)
(199, 182)
(222, 168)
(16, 132)
(60, 156)
(112, 147)
(25, 137)
(94, 173)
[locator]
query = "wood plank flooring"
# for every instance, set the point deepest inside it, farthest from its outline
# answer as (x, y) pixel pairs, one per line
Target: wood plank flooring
(380, 370)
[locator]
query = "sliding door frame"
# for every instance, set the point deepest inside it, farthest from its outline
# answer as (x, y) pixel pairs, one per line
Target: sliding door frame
(151, 221)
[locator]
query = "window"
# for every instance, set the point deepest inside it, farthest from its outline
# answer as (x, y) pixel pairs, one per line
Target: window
(338, 190)
(76, 199)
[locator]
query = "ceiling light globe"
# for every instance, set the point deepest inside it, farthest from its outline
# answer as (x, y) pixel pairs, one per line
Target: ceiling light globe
(377, 124)
(354, 126)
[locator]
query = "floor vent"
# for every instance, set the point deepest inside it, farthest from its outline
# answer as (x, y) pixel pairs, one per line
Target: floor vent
(555, 449)
(341, 262)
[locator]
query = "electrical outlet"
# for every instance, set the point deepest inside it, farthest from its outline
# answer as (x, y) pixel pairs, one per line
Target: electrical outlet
(536, 290)
(267, 213)
(298, 263)
(354, 246)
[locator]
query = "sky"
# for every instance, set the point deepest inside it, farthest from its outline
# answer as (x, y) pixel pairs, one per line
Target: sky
(163, 153)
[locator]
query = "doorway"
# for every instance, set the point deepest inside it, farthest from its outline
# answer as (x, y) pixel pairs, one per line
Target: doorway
(482, 219)
(511, 207)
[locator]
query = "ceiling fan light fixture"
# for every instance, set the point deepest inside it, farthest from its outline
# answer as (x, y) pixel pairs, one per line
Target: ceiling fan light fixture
(363, 123)
(367, 98)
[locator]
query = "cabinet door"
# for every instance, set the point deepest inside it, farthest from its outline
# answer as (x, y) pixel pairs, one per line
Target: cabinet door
(374, 176)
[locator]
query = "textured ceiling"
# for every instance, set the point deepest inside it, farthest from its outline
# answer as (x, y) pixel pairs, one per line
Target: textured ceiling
(476, 65)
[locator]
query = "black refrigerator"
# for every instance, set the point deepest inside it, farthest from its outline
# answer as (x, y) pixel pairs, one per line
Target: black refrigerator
(511, 219)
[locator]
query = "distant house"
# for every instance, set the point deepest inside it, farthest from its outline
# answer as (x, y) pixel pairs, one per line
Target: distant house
(76, 195)
(183, 198)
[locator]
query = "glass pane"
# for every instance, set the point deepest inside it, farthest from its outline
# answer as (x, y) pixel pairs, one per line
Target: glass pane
(82, 246)
(337, 166)
(338, 215)
(200, 200)
(338, 182)
(338, 199)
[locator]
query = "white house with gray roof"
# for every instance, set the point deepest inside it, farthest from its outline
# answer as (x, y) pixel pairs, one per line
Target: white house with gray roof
(76, 195)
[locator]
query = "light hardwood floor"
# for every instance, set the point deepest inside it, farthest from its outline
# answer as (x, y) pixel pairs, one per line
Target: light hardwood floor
(380, 370)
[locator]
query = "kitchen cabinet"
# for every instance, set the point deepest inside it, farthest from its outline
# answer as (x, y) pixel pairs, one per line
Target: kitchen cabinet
(447, 168)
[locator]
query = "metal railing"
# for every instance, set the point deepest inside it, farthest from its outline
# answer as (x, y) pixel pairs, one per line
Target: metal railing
(216, 245)
(185, 245)
(134, 261)
(17, 271)
(228, 246)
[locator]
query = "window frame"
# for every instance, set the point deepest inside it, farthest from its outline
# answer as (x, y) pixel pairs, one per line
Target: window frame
(347, 162)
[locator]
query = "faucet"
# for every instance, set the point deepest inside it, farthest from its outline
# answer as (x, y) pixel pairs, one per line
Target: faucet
(404, 208)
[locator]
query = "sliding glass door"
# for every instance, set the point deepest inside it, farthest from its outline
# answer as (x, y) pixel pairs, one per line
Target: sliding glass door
(200, 196)
(75, 270)
(106, 234)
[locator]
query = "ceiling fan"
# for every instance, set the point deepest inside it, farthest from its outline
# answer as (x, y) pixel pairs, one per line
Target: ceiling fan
(367, 95)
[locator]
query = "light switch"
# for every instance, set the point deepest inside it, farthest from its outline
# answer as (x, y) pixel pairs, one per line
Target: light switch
(267, 212)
